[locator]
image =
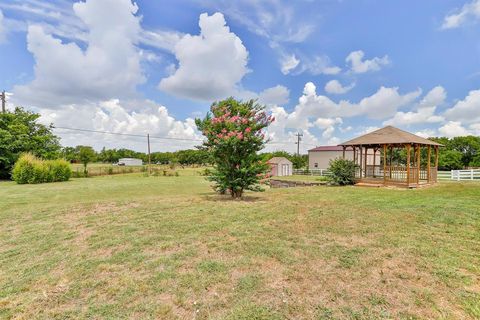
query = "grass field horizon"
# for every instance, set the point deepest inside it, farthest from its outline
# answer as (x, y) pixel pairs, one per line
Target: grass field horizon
(130, 246)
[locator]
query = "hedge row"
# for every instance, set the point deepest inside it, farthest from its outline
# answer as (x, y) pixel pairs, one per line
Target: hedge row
(30, 169)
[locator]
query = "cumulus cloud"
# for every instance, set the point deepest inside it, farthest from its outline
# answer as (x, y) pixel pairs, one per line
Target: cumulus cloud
(470, 10)
(288, 63)
(359, 65)
(425, 110)
(277, 95)
(453, 129)
(335, 87)
(426, 133)
(108, 67)
(317, 65)
(210, 65)
(379, 105)
(276, 21)
(315, 112)
(114, 116)
(466, 110)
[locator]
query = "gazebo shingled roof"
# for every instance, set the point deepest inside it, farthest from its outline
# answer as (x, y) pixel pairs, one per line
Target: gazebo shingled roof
(389, 135)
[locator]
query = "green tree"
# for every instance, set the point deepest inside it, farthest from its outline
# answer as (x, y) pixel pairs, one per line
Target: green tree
(469, 146)
(86, 155)
(20, 132)
(298, 161)
(450, 160)
(234, 132)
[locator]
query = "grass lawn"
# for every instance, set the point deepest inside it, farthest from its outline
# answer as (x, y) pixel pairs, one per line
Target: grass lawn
(130, 246)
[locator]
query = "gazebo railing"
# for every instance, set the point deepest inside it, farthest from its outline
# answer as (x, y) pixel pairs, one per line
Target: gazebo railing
(397, 173)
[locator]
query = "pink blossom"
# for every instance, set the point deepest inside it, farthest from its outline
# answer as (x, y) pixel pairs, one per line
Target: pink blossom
(248, 130)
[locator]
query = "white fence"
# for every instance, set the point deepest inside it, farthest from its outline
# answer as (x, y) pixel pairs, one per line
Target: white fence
(465, 175)
(455, 175)
(311, 172)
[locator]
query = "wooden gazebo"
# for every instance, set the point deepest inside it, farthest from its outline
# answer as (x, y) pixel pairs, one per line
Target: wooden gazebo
(405, 159)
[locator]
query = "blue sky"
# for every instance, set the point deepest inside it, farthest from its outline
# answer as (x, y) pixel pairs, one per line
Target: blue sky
(330, 69)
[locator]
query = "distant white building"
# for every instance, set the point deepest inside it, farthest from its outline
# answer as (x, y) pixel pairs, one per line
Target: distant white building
(319, 157)
(130, 162)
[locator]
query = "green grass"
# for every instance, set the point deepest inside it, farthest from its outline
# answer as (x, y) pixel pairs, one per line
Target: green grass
(130, 246)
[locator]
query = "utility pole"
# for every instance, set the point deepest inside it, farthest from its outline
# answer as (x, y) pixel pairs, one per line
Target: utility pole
(149, 158)
(298, 135)
(3, 96)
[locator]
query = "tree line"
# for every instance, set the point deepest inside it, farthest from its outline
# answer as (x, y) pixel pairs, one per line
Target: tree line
(20, 132)
(186, 157)
(459, 152)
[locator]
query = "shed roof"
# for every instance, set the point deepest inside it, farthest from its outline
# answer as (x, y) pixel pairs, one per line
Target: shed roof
(389, 135)
(277, 160)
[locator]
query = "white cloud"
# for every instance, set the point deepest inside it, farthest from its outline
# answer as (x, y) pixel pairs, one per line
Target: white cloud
(288, 63)
(277, 95)
(274, 20)
(58, 19)
(466, 110)
(425, 111)
(470, 10)
(113, 116)
(161, 39)
(108, 67)
(211, 64)
(328, 126)
(380, 105)
(335, 87)
(358, 65)
(453, 129)
(426, 133)
(316, 112)
(317, 65)
(368, 129)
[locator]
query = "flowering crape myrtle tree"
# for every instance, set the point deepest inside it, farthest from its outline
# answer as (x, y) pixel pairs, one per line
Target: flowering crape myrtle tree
(234, 132)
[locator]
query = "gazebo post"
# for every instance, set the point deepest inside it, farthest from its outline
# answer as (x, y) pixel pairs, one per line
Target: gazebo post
(361, 160)
(429, 151)
(408, 163)
(418, 164)
(436, 163)
(344, 147)
(366, 157)
(355, 158)
(374, 156)
(390, 163)
(385, 164)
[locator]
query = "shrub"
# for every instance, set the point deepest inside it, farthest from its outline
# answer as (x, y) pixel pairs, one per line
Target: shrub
(342, 171)
(234, 136)
(29, 169)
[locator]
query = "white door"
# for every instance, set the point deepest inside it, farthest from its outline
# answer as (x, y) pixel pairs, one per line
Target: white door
(285, 170)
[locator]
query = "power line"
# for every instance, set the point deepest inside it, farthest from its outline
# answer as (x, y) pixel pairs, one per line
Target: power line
(154, 137)
(126, 134)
